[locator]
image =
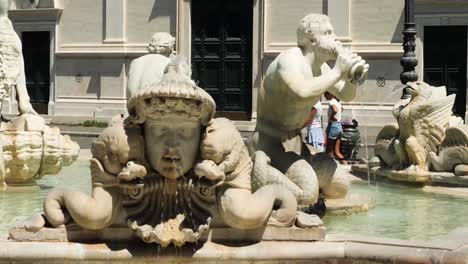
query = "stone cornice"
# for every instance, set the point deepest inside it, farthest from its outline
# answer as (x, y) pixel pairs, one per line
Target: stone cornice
(443, 2)
(35, 15)
(367, 50)
(101, 50)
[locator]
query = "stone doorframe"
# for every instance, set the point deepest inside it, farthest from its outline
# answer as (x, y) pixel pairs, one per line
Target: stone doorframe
(423, 20)
(184, 41)
(51, 27)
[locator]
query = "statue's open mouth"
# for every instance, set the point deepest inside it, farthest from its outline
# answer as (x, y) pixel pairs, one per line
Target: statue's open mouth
(171, 159)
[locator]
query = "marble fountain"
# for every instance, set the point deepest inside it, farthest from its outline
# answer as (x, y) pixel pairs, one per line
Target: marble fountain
(165, 185)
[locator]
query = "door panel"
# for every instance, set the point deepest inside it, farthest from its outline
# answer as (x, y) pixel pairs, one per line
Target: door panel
(36, 52)
(445, 50)
(222, 53)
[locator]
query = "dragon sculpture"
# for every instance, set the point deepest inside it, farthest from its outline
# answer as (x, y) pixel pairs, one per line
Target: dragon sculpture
(422, 132)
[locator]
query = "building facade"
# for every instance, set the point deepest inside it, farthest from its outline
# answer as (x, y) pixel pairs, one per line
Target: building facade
(77, 52)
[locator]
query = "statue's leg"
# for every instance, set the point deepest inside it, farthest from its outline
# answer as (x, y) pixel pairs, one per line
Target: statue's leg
(241, 209)
(88, 212)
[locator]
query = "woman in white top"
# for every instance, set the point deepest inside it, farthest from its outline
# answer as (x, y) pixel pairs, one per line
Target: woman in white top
(334, 129)
(314, 128)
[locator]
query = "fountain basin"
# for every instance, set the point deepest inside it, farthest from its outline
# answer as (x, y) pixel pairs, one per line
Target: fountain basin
(339, 249)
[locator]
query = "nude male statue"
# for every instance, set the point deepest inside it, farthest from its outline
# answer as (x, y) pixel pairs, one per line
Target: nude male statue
(12, 63)
(293, 83)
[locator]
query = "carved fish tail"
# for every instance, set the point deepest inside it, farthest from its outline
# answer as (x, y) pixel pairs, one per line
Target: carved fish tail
(449, 158)
(264, 174)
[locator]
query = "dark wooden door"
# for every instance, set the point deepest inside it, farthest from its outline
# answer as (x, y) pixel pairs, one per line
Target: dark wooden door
(36, 53)
(222, 53)
(445, 61)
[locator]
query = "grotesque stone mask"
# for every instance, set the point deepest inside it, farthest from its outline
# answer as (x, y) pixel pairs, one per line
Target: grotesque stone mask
(172, 113)
(172, 145)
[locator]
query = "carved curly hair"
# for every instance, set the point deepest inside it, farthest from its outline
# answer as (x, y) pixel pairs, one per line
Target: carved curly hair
(309, 27)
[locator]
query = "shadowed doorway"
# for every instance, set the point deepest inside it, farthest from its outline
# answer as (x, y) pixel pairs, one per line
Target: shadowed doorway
(445, 61)
(222, 54)
(36, 52)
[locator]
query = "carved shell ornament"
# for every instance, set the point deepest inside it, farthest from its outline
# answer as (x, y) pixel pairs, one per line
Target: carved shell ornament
(30, 4)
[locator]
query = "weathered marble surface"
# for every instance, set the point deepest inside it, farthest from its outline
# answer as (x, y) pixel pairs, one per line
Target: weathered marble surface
(149, 69)
(295, 80)
(427, 138)
(12, 74)
(168, 173)
(338, 249)
(31, 149)
(421, 127)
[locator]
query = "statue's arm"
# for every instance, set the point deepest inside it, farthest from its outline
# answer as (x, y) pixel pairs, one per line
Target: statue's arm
(305, 88)
(343, 89)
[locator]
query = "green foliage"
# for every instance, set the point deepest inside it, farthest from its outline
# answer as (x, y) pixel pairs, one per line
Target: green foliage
(94, 123)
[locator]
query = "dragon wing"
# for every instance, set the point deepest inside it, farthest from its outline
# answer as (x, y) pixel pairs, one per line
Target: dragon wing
(455, 136)
(388, 132)
(430, 121)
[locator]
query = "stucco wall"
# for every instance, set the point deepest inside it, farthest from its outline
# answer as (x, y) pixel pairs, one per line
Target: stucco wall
(282, 18)
(377, 20)
(144, 17)
(81, 22)
(390, 71)
(441, 7)
(90, 78)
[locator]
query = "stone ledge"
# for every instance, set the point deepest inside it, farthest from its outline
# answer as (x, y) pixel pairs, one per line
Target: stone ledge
(210, 252)
(431, 178)
(75, 234)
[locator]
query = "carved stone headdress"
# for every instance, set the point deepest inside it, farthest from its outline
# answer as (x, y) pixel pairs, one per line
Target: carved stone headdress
(176, 95)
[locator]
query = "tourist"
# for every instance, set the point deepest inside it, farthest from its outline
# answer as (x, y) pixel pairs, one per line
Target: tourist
(334, 129)
(315, 135)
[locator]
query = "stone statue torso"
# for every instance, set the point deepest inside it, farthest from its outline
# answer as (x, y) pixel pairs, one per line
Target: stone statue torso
(145, 71)
(277, 105)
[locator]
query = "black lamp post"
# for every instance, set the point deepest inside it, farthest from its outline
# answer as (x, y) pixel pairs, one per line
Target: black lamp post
(409, 60)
